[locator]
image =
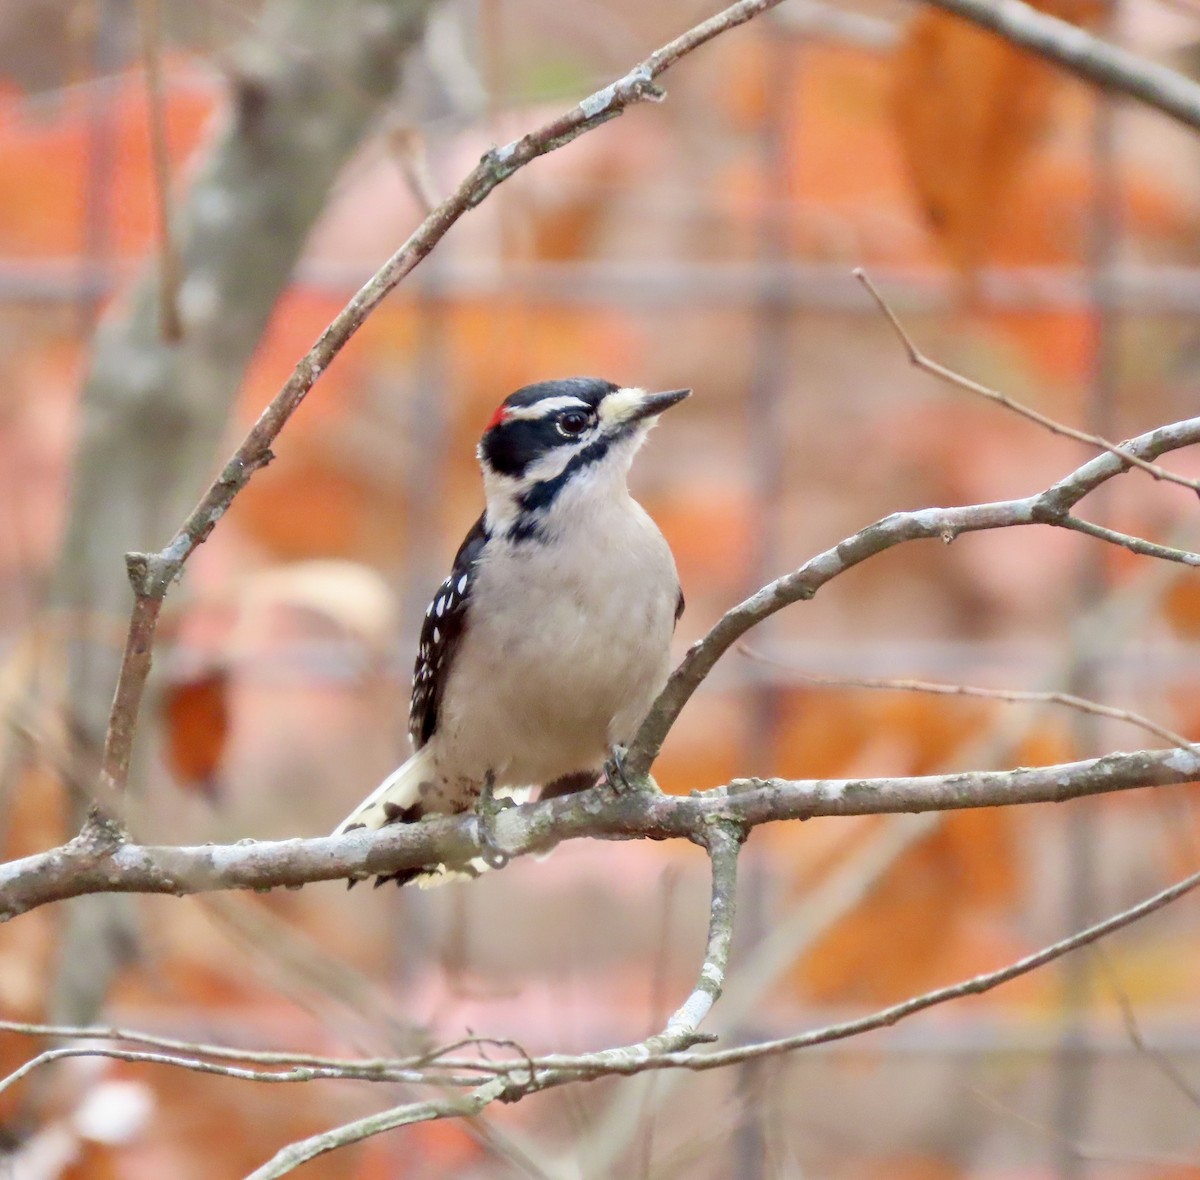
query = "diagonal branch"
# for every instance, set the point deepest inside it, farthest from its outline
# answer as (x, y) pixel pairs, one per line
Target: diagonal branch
(151, 574)
(452, 1106)
(1085, 55)
(942, 688)
(928, 365)
(1050, 507)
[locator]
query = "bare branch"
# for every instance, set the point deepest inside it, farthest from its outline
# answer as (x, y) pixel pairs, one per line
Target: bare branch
(344, 1071)
(1136, 545)
(82, 866)
(1009, 695)
(1051, 507)
(220, 1052)
(722, 839)
(455, 1106)
(928, 365)
(1084, 55)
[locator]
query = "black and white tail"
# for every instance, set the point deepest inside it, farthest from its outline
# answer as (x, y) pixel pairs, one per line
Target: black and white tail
(397, 800)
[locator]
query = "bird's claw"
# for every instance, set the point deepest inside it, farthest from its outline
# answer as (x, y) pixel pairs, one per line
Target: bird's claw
(487, 807)
(614, 772)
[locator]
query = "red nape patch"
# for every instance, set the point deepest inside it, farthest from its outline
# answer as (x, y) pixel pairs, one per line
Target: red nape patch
(498, 417)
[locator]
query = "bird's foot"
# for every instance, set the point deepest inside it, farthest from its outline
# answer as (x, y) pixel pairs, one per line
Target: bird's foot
(616, 777)
(487, 807)
(614, 772)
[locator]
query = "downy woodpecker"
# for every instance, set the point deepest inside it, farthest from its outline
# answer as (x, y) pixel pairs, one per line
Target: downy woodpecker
(548, 642)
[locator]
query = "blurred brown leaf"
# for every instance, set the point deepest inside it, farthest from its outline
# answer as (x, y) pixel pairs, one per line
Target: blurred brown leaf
(969, 110)
(196, 724)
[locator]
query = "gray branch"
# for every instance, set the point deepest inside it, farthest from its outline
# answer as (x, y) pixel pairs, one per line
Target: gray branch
(1085, 55)
(83, 867)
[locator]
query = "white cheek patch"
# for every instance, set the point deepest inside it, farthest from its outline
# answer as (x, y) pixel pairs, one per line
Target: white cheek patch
(617, 407)
(553, 463)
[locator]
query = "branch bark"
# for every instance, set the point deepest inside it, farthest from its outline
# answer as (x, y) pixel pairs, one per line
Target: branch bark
(83, 867)
(1085, 55)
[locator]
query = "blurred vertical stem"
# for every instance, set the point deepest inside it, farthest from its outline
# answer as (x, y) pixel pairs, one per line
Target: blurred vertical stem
(1075, 1060)
(769, 385)
(305, 89)
(150, 28)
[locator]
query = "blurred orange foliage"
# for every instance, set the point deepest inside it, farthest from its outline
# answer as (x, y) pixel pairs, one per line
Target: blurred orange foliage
(970, 109)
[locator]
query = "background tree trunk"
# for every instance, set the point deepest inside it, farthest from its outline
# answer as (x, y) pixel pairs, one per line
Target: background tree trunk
(305, 90)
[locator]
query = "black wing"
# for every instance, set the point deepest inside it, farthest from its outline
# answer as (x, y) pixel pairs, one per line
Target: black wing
(443, 629)
(679, 605)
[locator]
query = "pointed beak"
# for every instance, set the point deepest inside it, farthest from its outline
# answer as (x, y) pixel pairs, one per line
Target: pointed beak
(654, 403)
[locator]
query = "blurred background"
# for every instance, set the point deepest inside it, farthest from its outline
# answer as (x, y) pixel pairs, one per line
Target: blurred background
(189, 194)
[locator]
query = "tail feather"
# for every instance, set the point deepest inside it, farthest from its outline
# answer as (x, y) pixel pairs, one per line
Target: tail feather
(396, 800)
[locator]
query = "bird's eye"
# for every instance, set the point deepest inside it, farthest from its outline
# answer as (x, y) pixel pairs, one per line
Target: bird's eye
(572, 422)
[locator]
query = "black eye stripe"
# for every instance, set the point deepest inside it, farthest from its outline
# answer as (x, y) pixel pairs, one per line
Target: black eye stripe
(510, 445)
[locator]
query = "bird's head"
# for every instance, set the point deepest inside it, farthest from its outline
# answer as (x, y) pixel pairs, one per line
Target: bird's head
(578, 433)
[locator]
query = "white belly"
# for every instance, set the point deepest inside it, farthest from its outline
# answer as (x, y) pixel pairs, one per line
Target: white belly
(563, 656)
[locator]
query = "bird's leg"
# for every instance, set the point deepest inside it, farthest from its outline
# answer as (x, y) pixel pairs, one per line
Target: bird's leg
(617, 779)
(614, 772)
(487, 807)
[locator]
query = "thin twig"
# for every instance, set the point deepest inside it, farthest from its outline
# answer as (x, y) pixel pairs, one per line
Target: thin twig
(346, 1071)
(295, 1154)
(1010, 695)
(1161, 1061)
(1136, 545)
(62, 1032)
(408, 149)
(928, 365)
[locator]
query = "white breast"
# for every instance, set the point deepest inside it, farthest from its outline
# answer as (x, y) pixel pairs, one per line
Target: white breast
(567, 644)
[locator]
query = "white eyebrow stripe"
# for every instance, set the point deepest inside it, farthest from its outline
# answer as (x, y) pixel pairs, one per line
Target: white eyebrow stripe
(546, 406)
